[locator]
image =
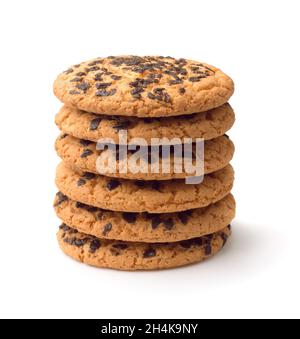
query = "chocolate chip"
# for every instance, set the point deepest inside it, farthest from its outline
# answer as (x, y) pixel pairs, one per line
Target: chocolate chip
(161, 96)
(207, 238)
(89, 176)
(135, 83)
(151, 96)
(169, 224)
(116, 77)
(79, 242)
(60, 198)
(83, 86)
(81, 182)
(183, 216)
(80, 205)
(70, 240)
(107, 228)
(98, 77)
(129, 217)
(80, 74)
(86, 207)
(105, 93)
(84, 142)
(76, 79)
(156, 185)
(166, 98)
(136, 96)
(68, 71)
(96, 62)
(120, 246)
(186, 243)
(64, 227)
(145, 215)
(158, 90)
(62, 136)
(128, 61)
(207, 249)
(202, 74)
(175, 82)
(155, 221)
(149, 253)
(86, 153)
(180, 61)
(92, 69)
(224, 238)
(181, 90)
(137, 90)
(209, 69)
(73, 92)
(140, 183)
(91, 209)
(124, 124)
(196, 79)
(94, 124)
(171, 73)
(114, 252)
(102, 85)
(198, 241)
(113, 184)
(95, 245)
(73, 231)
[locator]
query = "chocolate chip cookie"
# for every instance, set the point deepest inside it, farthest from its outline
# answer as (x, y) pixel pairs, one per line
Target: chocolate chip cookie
(145, 227)
(90, 126)
(83, 154)
(147, 86)
(133, 256)
(141, 196)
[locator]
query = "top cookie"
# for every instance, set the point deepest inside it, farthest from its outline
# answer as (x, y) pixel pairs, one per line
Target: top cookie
(143, 86)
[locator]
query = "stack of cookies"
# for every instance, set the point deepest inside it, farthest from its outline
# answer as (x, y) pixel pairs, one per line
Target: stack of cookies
(141, 220)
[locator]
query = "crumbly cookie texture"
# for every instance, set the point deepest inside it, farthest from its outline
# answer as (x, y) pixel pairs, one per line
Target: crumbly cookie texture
(90, 126)
(143, 86)
(145, 227)
(141, 196)
(133, 256)
(83, 154)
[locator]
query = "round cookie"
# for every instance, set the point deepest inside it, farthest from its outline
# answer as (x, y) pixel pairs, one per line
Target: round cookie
(145, 227)
(141, 196)
(90, 126)
(133, 256)
(147, 86)
(83, 154)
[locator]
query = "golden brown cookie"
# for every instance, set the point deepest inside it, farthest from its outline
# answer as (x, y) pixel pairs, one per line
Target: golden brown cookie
(90, 126)
(143, 86)
(141, 196)
(83, 154)
(133, 256)
(145, 227)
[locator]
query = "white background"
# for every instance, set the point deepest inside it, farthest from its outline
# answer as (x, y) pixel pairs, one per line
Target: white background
(257, 44)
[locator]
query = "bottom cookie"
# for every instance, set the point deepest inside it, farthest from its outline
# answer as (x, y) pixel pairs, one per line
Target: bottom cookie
(133, 256)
